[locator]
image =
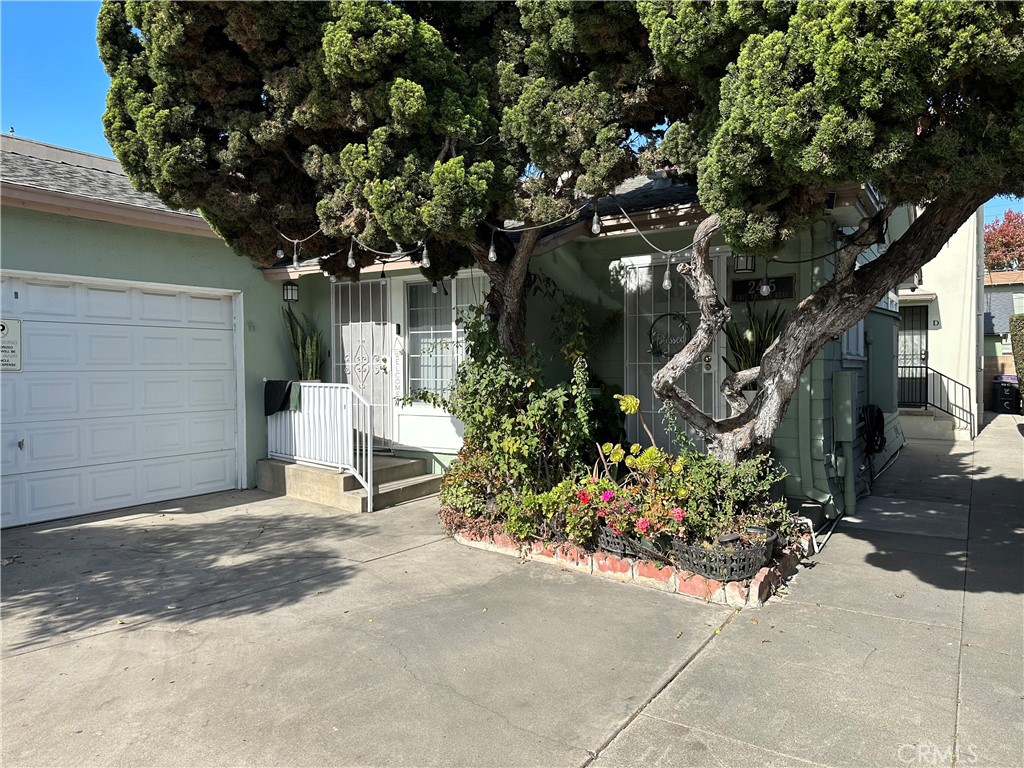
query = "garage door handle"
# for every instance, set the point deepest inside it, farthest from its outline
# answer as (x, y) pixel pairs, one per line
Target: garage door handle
(21, 445)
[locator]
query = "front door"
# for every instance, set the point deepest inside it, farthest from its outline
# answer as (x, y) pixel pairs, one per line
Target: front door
(363, 340)
(913, 357)
(658, 324)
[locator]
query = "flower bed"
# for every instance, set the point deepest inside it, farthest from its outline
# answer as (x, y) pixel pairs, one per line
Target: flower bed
(666, 578)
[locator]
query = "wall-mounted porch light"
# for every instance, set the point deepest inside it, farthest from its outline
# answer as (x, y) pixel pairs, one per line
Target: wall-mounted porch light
(290, 291)
(742, 264)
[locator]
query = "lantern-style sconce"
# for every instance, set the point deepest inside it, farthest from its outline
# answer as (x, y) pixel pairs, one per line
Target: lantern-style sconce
(290, 291)
(742, 264)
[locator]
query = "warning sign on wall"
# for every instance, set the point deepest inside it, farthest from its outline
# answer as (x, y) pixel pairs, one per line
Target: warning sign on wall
(10, 345)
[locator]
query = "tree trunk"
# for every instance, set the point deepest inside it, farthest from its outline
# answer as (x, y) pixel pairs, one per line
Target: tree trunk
(823, 315)
(508, 278)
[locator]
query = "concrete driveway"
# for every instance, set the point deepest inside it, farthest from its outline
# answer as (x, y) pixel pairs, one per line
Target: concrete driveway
(245, 629)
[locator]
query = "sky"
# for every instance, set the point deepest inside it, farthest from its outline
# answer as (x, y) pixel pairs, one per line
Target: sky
(53, 88)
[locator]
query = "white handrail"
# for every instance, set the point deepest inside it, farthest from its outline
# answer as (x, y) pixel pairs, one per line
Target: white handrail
(333, 428)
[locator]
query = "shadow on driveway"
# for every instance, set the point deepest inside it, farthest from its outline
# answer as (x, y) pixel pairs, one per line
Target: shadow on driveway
(227, 553)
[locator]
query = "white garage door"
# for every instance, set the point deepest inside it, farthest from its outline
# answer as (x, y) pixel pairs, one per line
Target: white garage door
(126, 395)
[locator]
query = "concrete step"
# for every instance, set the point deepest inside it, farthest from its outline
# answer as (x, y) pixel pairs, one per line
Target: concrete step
(395, 480)
(921, 423)
(390, 494)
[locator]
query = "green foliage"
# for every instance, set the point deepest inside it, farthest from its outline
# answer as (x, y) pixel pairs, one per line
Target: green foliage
(922, 99)
(1017, 344)
(748, 345)
(521, 435)
(306, 342)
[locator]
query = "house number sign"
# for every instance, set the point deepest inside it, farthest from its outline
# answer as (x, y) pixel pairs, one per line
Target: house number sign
(782, 287)
(10, 345)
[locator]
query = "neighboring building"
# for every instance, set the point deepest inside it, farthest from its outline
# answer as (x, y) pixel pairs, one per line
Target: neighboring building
(1004, 296)
(144, 343)
(398, 336)
(940, 339)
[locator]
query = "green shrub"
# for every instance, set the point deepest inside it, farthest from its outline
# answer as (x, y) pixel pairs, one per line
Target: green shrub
(1017, 344)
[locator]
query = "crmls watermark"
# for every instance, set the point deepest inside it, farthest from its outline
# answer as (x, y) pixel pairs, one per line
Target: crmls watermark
(933, 754)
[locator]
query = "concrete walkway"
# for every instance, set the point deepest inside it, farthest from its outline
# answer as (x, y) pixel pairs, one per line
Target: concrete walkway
(901, 644)
(244, 629)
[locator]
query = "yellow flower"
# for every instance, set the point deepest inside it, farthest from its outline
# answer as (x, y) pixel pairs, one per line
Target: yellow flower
(628, 404)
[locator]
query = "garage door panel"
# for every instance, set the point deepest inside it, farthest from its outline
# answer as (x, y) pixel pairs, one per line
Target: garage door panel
(215, 311)
(214, 391)
(157, 307)
(164, 478)
(111, 487)
(54, 494)
(9, 451)
(212, 472)
(49, 346)
(48, 398)
(110, 347)
(127, 395)
(163, 436)
(46, 299)
(107, 304)
(8, 397)
(56, 444)
(162, 393)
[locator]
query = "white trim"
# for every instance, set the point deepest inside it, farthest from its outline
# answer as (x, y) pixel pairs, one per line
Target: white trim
(120, 282)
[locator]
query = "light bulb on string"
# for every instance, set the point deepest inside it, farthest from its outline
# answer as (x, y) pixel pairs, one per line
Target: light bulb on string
(666, 282)
(595, 224)
(765, 289)
(425, 261)
(492, 254)
(383, 277)
(351, 253)
(433, 287)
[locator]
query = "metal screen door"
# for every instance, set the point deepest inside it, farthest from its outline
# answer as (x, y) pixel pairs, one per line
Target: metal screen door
(363, 349)
(912, 360)
(658, 324)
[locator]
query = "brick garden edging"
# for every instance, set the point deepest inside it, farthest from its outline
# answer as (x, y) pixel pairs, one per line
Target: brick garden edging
(738, 594)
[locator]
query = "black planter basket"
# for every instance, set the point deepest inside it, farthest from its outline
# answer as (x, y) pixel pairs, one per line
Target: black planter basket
(613, 543)
(725, 564)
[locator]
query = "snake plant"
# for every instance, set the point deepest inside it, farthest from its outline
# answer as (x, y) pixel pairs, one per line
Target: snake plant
(306, 341)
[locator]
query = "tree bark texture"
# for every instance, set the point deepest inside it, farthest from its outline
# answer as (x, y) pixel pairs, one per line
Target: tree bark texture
(508, 290)
(823, 315)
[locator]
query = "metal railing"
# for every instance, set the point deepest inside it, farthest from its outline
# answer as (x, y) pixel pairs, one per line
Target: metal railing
(923, 387)
(333, 429)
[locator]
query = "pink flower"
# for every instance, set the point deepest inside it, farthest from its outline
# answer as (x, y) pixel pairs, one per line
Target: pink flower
(643, 524)
(600, 513)
(615, 530)
(678, 514)
(607, 496)
(584, 497)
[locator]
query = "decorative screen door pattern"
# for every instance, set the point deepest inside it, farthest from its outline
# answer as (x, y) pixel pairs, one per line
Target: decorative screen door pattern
(658, 324)
(363, 344)
(912, 360)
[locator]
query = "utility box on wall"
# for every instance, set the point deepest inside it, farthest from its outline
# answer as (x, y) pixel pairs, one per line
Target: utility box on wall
(844, 425)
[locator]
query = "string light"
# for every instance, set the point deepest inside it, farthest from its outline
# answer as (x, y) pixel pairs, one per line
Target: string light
(666, 282)
(383, 277)
(595, 225)
(425, 261)
(296, 246)
(492, 255)
(433, 287)
(765, 289)
(351, 253)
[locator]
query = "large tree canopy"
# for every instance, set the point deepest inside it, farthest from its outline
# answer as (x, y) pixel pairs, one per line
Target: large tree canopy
(391, 122)
(406, 122)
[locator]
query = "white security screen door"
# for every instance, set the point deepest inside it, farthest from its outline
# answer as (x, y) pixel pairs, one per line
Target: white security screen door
(363, 341)
(659, 323)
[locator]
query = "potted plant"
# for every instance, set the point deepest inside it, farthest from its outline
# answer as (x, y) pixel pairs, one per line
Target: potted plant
(748, 344)
(306, 342)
